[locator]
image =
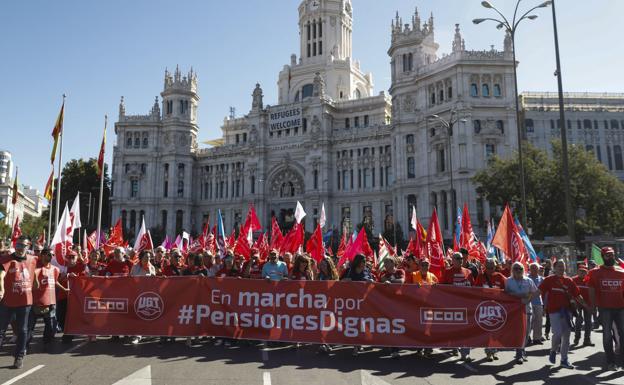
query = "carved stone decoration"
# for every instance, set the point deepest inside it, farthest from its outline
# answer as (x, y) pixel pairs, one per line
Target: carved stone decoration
(408, 103)
(319, 86)
(286, 183)
(167, 139)
(253, 134)
(316, 126)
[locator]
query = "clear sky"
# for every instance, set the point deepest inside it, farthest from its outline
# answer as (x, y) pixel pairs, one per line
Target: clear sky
(97, 51)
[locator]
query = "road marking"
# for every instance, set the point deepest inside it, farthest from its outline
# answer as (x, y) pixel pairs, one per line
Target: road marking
(369, 379)
(266, 378)
(140, 377)
(265, 352)
(26, 373)
(76, 347)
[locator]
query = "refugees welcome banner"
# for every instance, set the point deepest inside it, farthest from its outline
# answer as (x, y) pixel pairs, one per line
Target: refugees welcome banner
(331, 312)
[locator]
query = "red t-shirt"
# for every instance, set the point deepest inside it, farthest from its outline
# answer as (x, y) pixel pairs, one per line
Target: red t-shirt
(458, 277)
(45, 295)
(583, 287)
(496, 280)
(608, 283)
(255, 270)
(555, 289)
(397, 274)
(170, 270)
(18, 281)
(117, 268)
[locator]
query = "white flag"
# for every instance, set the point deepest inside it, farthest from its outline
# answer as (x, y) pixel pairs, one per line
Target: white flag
(414, 221)
(139, 237)
(62, 234)
(299, 213)
(74, 213)
(323, 217)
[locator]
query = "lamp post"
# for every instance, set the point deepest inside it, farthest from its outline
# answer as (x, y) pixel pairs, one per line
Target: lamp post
(511, 27)
(448, 124)
(564, 139)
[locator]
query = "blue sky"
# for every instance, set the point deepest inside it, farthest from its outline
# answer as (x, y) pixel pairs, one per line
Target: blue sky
(97, 51)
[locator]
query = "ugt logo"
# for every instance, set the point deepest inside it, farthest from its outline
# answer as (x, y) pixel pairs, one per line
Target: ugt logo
(148, 306)
(490, 316)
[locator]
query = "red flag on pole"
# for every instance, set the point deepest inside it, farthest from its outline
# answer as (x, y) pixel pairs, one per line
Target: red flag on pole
(315, 244)
(242, 245)
(467, 238)
(276, 235)
(100, 162)
(342, 246)
(17, 231)
(508, 239)
(358, 246)
(435, 246)
(293, 240)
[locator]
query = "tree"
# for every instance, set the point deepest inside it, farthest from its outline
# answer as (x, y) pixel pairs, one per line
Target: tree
(81, 175)
(34, 226)
(597, 196)
(5, 229)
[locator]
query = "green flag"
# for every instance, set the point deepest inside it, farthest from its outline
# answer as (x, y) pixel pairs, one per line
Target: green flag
(596, 255)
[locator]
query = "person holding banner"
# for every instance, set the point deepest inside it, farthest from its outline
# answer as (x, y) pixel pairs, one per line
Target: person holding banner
(358, 271)
(424, 277)
(522, 287)
(144, 268)
(274, 269)
(560, 292)
(327, 270)
(119, 266)
(17, 277)
(301, 270)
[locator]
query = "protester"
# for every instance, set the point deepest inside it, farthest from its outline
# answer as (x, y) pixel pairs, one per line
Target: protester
(301, 270)
(423, 276)
(391, 274)
(144, 267)
(582, 318)
(252, 268)
(522, 287)
(327, 270)
(358, 271)
(119, 266)
(274, 269)
(73, 268)
(607, 294)
(537, 306)
(17, 273)
(490, 277)
(560, 291)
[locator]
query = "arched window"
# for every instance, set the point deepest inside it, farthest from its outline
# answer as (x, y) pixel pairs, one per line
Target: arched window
(315, 179)
(617, 154)
(137, 140)
(357, 94)
(433, 97)
(145, 141)
(180, 189)
(307, 91)
(474, 90)
(180, 170)
(441, 96)
(497, 90)
(410, 62)
(128, 139)
(485, 90)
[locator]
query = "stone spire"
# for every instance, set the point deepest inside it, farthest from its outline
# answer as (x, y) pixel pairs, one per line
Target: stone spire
(431, 22)
(156, 107)
(122, 108)
(416, 20)
(458, 42)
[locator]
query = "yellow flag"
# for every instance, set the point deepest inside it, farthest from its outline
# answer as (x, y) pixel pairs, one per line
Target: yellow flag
(56, 132)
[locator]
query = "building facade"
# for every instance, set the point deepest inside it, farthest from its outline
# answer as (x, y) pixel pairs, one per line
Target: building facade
(30, 201)
(329, 138)
(594, 121)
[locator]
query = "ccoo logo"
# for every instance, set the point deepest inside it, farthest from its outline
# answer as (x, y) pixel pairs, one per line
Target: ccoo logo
(148, 306)
(490, 316)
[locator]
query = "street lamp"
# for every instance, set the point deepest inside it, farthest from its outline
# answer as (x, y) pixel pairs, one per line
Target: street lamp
(449, 131)
(511, 28)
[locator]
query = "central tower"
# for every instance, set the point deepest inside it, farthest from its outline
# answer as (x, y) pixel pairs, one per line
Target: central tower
(325, 35)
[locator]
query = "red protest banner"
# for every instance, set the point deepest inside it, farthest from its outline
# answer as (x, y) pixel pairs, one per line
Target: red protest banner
(350, 313)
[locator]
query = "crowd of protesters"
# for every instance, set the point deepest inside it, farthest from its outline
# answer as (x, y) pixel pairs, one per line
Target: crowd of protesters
(34, 286)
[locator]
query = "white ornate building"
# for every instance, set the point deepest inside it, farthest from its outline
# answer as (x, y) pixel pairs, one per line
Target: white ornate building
(593, 120)
(329, 138)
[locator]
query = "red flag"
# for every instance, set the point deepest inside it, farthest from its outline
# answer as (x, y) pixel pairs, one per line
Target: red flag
(230, 241)
(508, 239)
(91, 241)
(100, 162)
(276, 235)
(358, 246)
(242, 245)
(17, 232)
(42, 238)
(252, 220)
(56, 132)
(435, 246)
(467, 238)
(116, 235)
(293, 240)
(342, 246)
(315, 244)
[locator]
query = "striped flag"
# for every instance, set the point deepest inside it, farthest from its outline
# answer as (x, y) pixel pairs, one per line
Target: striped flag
(56, 132)
(15, 190)
(100, 162)
(47, 193)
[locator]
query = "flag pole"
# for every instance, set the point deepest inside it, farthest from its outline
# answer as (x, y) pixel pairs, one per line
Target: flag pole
(49, 215)
(15, 199)
(99, 218)
(58, 181)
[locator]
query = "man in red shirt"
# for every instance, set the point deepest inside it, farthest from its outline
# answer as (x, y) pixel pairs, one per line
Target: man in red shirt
(560, 291)
(17, 273)
(119, 266)
(606, 285)
(582, 319)
(391, 274)
(73, 268)
(44, 298)
(490, 277)
(457, 275)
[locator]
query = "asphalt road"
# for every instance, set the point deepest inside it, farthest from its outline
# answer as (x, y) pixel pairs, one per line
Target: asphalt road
(106, 362)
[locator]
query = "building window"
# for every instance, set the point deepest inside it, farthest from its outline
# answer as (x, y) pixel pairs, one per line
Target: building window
(165, 189)
(529, 126)
(338, 180)
(238, 185)
(411, 168)
(617, 155)
(477, 126)
(356, 121)
(598, 154)
(449, 93)
(351, 179)
(133, 220)
(490, 151)
(252, 182)
(485, 90)
(474, 90)
(615, 125)
(134, 188)
(500, 125)
(128, 139)
(609, 158)
(366, 122)
(163, 220)
(347, 123)
(180, 189)
(359, 178)
(441, 96)
(180, 170)
(307, 91)
(445, 221)
(587, 124)
(137, 140)
(497, 90)
(441, 165)
(409, 139)
(357, 94)
(433, 98)
(179, 221)
(381, 176)
(315, 179)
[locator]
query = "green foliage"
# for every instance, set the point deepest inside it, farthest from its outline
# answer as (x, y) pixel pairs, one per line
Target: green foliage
(597, 195)
(33, 227)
